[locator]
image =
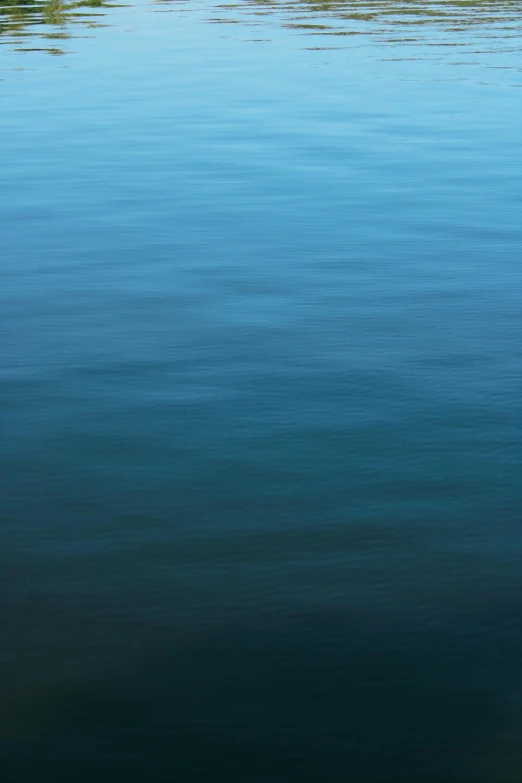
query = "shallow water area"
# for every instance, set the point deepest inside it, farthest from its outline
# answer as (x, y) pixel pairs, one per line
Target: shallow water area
(260, 392)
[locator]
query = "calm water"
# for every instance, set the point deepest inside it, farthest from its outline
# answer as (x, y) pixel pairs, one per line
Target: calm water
(261, 491)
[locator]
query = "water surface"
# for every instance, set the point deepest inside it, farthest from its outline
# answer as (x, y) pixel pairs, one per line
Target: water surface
(261, 380)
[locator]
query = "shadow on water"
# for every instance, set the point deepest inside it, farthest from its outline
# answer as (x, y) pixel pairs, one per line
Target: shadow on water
(334, 699)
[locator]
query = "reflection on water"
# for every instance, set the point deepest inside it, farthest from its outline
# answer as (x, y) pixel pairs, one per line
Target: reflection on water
(384, 17)
(391, 21)
(24, 21)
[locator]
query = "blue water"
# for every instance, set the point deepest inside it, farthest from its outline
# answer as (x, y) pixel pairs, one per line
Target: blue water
(261, 491)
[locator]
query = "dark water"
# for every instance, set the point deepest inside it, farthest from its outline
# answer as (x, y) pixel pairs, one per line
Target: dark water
(261, 507)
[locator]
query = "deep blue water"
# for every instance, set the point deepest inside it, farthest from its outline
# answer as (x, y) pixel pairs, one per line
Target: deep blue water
(261, 487)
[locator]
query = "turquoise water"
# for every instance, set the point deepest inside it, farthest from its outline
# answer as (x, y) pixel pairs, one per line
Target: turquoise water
(261, 375)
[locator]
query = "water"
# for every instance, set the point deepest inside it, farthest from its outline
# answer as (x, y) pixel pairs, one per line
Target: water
(261, 378)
